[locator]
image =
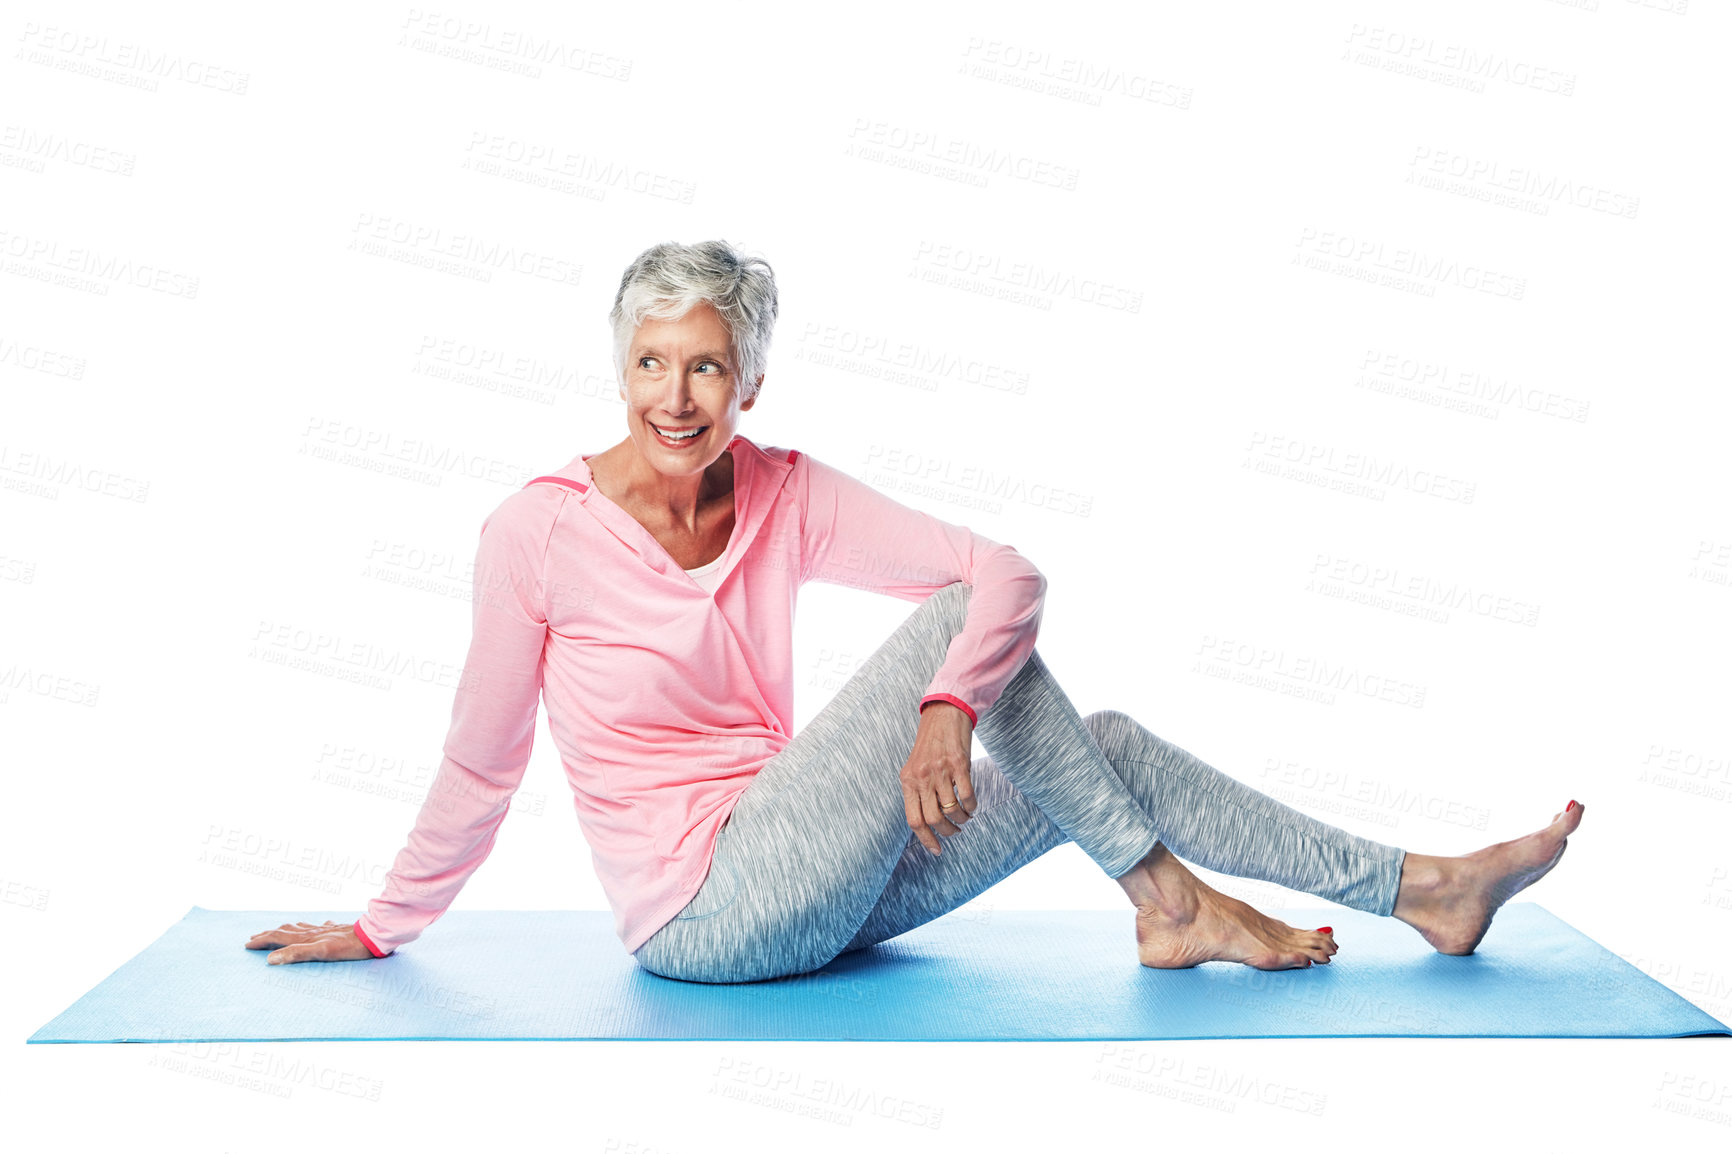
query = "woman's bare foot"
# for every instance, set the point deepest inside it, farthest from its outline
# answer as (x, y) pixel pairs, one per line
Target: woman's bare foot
(1451, 900)
(1182, 922)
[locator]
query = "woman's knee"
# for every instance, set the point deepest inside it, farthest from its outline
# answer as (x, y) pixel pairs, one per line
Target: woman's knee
(1113, 731)
(949, 604)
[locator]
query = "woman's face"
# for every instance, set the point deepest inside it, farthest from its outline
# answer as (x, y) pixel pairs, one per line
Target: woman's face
(679, 377)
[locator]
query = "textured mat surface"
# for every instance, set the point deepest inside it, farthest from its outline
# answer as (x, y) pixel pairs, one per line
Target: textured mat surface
(997, 975)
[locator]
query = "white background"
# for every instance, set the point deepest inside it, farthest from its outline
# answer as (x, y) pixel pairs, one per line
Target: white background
(1264, 253)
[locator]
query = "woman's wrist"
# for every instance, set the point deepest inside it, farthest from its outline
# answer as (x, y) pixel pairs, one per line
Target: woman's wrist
(953, 702)
(367, 941)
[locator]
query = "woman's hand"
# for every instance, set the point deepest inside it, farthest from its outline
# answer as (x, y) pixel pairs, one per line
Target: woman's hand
(936, 775)
(305, 942)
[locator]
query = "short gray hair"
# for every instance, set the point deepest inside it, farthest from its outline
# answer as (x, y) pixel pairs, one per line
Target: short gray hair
(666, 281)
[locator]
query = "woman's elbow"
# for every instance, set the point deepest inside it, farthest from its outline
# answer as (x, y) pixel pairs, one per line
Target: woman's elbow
(1021, 572)
(1031, 576)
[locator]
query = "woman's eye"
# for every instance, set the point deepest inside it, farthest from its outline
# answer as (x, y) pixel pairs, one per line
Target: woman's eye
(643, 362)
(711, 365)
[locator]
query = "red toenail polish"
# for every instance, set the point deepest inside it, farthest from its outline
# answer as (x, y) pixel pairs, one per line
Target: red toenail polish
(1327, 930)
(1570, 806)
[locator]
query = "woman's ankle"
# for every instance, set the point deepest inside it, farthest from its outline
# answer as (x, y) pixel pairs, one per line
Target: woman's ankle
(1423, 878)
(1160, 883)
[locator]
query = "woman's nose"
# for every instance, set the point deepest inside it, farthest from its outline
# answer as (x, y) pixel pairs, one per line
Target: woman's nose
(677, 398)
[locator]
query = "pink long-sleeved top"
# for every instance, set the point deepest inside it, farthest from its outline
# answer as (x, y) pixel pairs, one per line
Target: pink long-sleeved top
(663, 697)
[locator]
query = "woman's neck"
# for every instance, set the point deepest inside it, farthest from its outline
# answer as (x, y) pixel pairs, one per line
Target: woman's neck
(629, 481)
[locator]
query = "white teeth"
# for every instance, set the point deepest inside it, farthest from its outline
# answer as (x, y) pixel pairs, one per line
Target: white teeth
(676, 436)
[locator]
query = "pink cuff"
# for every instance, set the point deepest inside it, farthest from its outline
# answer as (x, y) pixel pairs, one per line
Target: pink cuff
(952, 699)
(367, 941)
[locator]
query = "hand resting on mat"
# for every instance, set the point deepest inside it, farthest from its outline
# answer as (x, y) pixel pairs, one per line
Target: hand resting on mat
(305, 942)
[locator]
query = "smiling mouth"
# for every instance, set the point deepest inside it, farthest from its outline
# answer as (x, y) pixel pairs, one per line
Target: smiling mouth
(679, 435)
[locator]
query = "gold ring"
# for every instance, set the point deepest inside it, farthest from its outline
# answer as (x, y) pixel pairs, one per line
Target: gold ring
(952, 805)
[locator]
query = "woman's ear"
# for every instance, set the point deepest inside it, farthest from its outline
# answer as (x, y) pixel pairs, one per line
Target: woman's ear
(744, 405)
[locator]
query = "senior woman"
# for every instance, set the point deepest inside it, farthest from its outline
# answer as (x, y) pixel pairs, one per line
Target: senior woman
(646, 595)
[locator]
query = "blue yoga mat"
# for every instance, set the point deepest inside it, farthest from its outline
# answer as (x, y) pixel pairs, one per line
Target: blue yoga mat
(990, 976)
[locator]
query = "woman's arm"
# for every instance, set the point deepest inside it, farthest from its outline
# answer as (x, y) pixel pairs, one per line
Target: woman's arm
(492, 725)
(852, 534)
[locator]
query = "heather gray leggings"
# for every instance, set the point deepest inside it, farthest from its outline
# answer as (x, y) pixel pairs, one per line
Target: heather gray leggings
(817, 858)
